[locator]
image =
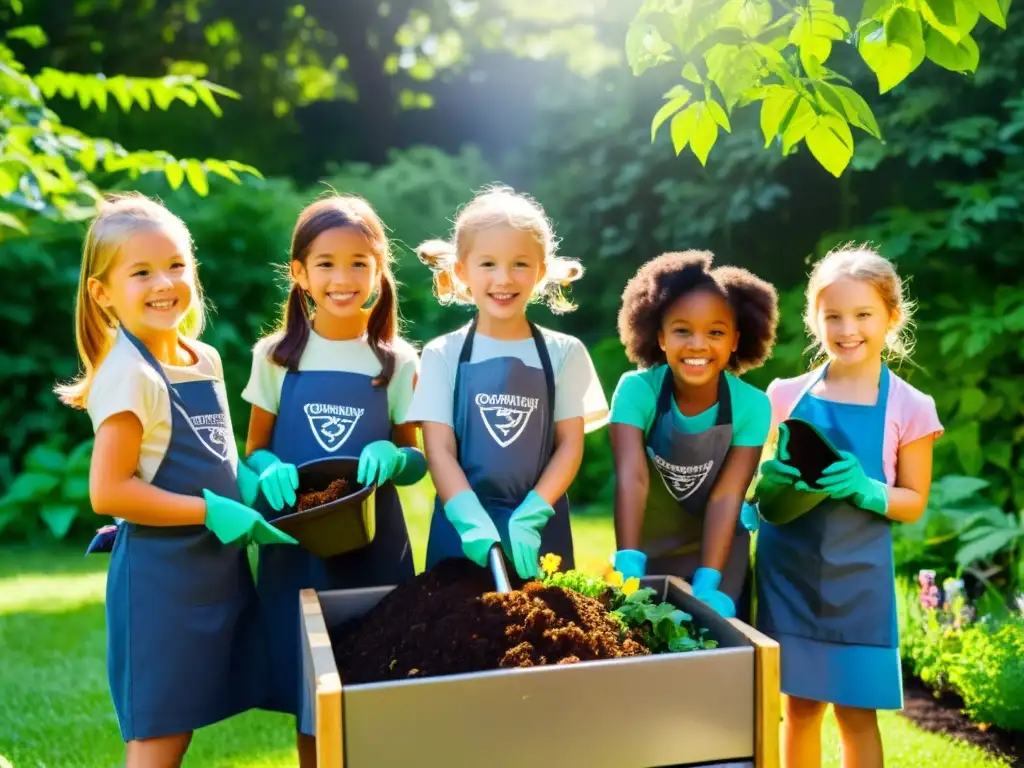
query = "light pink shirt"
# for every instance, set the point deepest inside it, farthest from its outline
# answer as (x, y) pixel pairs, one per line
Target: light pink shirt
(909, 414)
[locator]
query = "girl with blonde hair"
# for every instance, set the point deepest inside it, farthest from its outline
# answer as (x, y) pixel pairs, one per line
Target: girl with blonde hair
(503, 403)
(824, 564)
(183, 646)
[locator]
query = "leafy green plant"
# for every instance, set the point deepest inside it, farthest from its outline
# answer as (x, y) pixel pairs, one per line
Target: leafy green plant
(988, 673)
(660, 626)
(932, 541)
(578, 581)
(741, 52)
(50, 495)
(47, 167)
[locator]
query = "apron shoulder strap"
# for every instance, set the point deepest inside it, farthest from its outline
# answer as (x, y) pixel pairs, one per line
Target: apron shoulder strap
(724, 398)
(153, 362)
(549, 371)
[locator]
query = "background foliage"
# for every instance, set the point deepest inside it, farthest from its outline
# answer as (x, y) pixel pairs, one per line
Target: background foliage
(418, 106)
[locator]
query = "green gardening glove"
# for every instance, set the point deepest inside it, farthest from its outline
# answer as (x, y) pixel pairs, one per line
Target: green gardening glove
(775, 474)
(382, 460)
(846, 479)
(524, 529)
(235, 523)
(474, 526)
(263, 471)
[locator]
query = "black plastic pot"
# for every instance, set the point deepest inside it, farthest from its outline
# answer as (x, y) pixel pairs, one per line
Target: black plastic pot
(810, 452)
(340, 526)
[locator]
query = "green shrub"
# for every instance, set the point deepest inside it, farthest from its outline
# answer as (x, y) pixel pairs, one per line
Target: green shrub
(988, 672)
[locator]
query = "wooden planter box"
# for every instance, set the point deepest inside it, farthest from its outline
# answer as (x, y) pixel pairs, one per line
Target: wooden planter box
(716, 708)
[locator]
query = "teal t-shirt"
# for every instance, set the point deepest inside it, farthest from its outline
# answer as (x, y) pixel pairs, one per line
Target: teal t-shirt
(635, 402)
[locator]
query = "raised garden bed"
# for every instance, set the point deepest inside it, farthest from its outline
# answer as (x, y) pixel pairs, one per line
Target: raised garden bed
(540, 689)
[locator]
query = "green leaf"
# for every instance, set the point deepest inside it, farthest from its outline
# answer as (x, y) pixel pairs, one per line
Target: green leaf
(29, 486)
(206, 96)
(33, 35)
(994, 10)
(892, 64)
(800, 119)
(831, 143)
(944, 11)
(118, 87)
(243, 168)
(42, 458)
(972, 400)
(953, 18)
(690, 73)
(222, 169)
(705, 133)
(903, 27)
(956, 57)
(667, 110)
(76, 489)
(986, 547)
(58, 518)
(197, 177)
(79, 458)
(773, 109)
(966, 440)
(857, 110)
(12, 222)
(682, 128)
(718, 114)
(876, 9)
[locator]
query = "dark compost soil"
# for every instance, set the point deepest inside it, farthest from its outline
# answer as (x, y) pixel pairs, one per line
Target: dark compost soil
(333, 492)
(944, 715)
(449, 620)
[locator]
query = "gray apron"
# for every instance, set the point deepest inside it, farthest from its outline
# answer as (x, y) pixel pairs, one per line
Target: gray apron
(184, 648)
(504, 416)
(325, 413)
(828, 575)
(687, 465)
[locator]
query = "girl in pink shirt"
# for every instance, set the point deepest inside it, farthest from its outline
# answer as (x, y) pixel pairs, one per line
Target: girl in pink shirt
(825, 580)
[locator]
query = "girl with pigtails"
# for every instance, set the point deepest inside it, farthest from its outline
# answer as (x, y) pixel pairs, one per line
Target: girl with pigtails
(503, 403)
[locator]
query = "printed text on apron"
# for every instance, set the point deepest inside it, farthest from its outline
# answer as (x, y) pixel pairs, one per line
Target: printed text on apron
(505, 431)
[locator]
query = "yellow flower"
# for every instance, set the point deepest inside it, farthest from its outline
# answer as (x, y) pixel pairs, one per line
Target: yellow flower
(632, 585)
(550, 563)
(615, 579)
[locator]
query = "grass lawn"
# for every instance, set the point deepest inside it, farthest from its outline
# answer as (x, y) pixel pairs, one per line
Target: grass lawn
(55, 710)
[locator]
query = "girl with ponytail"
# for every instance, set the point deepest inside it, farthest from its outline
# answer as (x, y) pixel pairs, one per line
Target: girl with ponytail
(335, 380)
(504, 403)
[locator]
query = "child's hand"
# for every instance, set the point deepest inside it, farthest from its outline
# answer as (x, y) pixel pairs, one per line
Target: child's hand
(846, 479)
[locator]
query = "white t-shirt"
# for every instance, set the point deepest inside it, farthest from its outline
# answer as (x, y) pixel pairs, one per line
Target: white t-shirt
(347, 356)
(578, 390)
(124, 381)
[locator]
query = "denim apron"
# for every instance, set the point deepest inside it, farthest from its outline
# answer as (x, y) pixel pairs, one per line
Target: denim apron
(183, 643)
(688, 465)
(504, 415)
(324, 414)
(825, 581)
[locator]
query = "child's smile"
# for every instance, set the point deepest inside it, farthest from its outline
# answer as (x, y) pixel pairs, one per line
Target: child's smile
(698, 336)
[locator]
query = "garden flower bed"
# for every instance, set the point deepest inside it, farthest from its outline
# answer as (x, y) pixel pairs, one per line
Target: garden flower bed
(964, 672)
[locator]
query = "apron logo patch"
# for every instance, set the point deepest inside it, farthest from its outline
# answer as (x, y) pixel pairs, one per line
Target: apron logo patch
(682, 481)
(505, 416)
(212, 431)
(332, 424)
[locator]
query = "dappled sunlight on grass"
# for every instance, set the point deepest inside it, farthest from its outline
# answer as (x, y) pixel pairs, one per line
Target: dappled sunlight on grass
(50, 594)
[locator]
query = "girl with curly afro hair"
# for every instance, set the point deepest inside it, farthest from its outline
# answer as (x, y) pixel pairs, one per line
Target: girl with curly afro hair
(685, 414)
